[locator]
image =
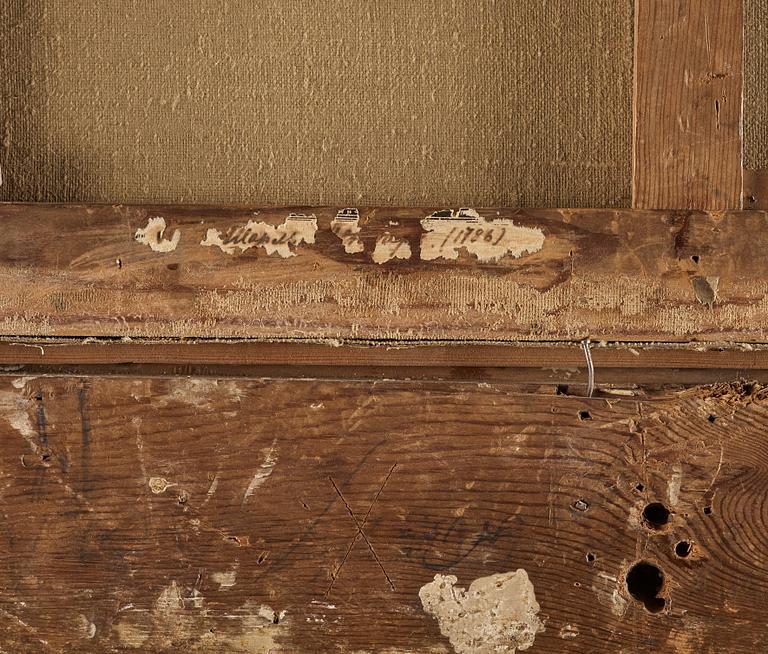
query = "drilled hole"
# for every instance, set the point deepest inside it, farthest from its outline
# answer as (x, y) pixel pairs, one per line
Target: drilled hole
(644, 583)
(683, 549)
(656, 515)
(585, 415)
(581, 505)
(590, 557)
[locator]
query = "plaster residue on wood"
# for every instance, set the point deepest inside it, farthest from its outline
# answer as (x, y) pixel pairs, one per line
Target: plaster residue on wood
(346, 225)
(497, 615)
(180, 615)
(275, 239)
(153, 235)
(447, 231)
(390, 247)
(16, 410)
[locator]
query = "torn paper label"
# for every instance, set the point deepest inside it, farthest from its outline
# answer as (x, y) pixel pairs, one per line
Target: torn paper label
(279, 239)
(447, 231)
(153, 235)
(390, 247)
(346, 225)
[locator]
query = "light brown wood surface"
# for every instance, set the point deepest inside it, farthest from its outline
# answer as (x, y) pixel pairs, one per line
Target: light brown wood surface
(77, 270)
(166, 515)
(688, 104)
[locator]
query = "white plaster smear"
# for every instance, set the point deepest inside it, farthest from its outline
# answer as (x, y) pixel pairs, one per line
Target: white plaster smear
(153, 236)
(275, 239)
(489, 241)
(497, 615)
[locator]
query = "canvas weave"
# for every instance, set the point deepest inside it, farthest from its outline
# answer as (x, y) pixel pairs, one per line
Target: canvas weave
(409, 102)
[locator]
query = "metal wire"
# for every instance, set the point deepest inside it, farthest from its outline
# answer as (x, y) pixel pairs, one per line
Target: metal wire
(590, 367)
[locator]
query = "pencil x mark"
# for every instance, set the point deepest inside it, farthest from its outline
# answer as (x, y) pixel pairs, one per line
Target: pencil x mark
(360, 533)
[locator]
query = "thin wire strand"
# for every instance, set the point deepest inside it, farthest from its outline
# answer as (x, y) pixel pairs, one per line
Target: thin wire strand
(590, 367)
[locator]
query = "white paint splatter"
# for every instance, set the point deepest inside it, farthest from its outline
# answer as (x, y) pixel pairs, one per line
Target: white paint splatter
(498, 614)
(153, 236)
(21, 382)
(275, 239)
(264, 471)
(446, 232)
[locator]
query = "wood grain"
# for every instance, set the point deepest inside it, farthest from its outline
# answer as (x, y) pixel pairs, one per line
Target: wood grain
(755, 189)
(165, 515)
(688, 105)
(77, 270)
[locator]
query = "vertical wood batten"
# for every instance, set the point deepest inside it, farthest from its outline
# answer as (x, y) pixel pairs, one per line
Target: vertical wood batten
(688, 117)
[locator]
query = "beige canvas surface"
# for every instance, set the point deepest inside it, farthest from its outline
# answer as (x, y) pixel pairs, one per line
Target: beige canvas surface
(413, 102)
(756, 84)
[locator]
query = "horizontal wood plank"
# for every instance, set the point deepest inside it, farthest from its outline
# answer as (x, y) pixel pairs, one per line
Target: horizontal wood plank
(492, 275)
(165, 515)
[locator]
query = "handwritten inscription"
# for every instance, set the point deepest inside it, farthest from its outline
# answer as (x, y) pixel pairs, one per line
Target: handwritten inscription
(153, 235)
(346, 225)
(390, 247)
(446, 232)
(275, 239)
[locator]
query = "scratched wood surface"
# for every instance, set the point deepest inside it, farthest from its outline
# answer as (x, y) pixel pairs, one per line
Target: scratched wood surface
(230, 515)
(526, 275)
(688, 120)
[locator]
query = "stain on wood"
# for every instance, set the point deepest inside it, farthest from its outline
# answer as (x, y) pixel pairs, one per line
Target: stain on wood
(75, 270)
(755, 189)
(225, 515)
(688, 123)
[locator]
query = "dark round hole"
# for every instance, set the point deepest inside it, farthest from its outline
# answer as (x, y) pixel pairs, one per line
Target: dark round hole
(656, 515)
(562, 389)
(585, 415)
(590, 557)
(711, 417)
(640, 487)
(683, 548)
(707, 510)
(644, 583)
(695, 258)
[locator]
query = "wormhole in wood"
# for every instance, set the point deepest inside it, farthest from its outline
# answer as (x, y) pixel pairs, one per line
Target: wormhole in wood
(655, 515)
(590, 557)
(683, 548)
(711, 417)
(644, 583)
(695, 258)
(707, 510)
(585, 415)
(640, 487)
